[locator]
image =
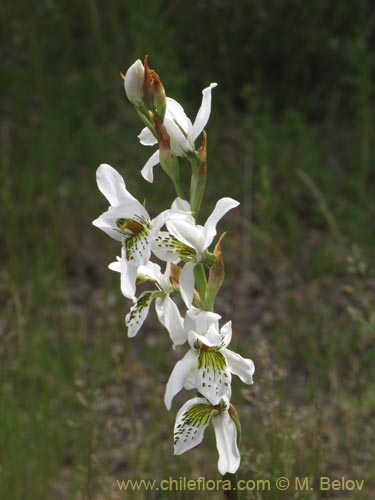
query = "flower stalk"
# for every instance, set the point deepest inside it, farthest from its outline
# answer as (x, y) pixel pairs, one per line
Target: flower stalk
(192, 272)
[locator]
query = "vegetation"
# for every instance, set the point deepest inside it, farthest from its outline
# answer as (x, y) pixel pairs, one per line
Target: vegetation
(291, 137)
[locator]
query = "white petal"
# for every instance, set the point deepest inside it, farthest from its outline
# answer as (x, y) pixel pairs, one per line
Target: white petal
(164, 249)
(180, 372)
(204, 111)
(175, 113)
(128, 277)
(191, 422)
(158, 222)
(212, 337)
(148, 170)
(226, 333)
(105, 225)
(112, 185)
(138, 313)
(151, 271)
(226, 443)
(133, 83)
(242, 367)
(186, 231)
(221, 208)
(115, 266)
(169, 316)
(147, 138)
(214, 377)
(130, 209)
(180, 204)
(180, 144)
(187, 283)
(200, 321)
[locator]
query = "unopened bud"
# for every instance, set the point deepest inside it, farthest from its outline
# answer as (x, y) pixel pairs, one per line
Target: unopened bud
(216, 274)
(153, 92)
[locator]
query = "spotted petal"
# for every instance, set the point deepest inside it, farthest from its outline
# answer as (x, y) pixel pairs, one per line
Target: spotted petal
(128, 210)
(138, 313)
(166, 247)
(214, 378)
(191, 422)
(187, 232)
(128, 277)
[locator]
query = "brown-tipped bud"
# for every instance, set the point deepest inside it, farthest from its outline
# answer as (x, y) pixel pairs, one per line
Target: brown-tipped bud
(236, 419)
(216, 274)
(153, 92)
(175, 275)
(162, 135)
(199, 175)
(203, 154)
(168, 159)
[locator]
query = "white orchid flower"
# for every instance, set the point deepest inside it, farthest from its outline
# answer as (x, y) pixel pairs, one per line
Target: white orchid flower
(181, 131)
(208, 364)
(188, 241)
(192, 420)
(166, 309)
(127, 221)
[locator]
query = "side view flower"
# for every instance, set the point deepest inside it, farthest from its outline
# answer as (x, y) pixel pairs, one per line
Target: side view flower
(166, 309)
(182, 132)
(184, 282)
(189, 241)
(192, 420)
(127, 221)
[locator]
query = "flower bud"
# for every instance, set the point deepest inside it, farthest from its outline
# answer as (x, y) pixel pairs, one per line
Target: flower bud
(133, 83)
(216, 274)
(153, 92)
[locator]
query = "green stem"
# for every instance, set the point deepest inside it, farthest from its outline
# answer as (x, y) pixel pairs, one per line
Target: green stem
(197, 183)
(178, 188)
(231, 494)
(201, 282)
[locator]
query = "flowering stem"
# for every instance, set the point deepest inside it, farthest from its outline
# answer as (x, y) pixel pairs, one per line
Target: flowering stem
(200, 281)
(178, 188)
(231, 494)
(198, 181)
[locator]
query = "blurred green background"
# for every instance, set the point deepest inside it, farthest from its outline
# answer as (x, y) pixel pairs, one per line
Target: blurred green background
(290, 136)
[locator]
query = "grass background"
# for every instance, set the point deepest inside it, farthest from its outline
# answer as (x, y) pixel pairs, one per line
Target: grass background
(290, 136)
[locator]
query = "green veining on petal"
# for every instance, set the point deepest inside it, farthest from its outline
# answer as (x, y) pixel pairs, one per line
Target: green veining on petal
(130, 227)
(195, 417)
(136, 233)
(211, 358)
(142, 302)
(172, 244)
